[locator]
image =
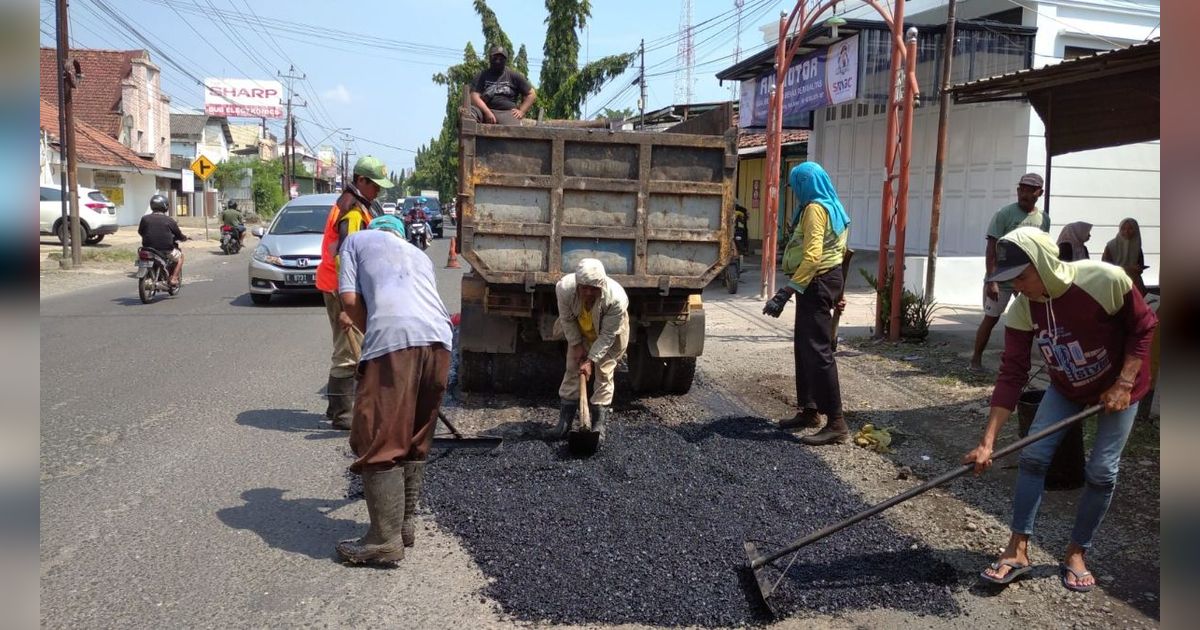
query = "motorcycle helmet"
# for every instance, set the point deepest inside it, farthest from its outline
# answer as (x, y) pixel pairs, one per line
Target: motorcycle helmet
(158, 203)
(232, 205)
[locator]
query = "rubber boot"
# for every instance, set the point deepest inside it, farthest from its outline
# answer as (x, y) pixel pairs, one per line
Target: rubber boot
(806, 418)
(566, 416)
(330, 406)
(834, 432)
(414, 478)
(341, 401)
(599, 417)
(383, 543)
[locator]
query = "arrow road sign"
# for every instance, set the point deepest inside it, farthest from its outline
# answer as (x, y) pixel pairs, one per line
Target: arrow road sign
(203, 167)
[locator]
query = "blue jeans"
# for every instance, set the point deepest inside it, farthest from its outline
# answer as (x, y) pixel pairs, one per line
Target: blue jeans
(1100, 475)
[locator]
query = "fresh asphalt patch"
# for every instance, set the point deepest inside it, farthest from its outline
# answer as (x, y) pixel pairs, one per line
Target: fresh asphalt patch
(651, 529)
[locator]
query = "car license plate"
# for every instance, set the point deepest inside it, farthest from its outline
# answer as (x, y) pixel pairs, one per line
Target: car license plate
(299, 278)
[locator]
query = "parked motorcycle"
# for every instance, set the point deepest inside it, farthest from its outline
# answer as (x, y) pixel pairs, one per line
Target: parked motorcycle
(230, 243)
(741, 239)
(418, 234)
(154, 275)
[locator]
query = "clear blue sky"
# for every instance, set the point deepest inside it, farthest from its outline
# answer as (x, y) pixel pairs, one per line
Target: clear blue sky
(380, 84)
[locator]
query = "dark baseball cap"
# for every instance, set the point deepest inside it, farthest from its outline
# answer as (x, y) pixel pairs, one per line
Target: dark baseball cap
(497, 50)
(1010, 261)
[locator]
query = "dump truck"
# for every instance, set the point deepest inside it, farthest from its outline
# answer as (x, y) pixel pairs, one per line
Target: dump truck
(657, 208)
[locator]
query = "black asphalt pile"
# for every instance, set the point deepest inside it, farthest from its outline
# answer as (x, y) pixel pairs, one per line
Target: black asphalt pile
(650, 530)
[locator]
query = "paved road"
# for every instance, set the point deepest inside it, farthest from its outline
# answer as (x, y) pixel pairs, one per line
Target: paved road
(187, 474)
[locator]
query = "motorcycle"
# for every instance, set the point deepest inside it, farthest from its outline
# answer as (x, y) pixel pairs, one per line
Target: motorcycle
(741, 238)
(230, 243)
(153, 275)
(418, 234)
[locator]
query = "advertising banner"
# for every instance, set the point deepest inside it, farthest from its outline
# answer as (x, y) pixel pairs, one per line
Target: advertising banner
(819, 79)
(243, 98)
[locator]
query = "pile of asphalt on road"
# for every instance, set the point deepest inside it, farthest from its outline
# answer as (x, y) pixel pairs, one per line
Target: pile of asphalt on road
(650, 530)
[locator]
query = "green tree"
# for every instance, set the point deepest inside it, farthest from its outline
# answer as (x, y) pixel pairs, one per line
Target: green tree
(615, 114)
(266, 177)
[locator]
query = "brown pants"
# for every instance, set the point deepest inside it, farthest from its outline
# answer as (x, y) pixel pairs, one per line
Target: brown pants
(396, 406)
(347, 344)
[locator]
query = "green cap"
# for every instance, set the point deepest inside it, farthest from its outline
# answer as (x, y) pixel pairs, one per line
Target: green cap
(373, 168)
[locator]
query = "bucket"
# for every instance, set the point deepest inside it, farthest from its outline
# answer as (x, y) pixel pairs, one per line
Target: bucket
(1066, 469)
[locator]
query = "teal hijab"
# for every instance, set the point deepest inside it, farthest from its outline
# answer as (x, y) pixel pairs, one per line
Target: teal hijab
(811, 184)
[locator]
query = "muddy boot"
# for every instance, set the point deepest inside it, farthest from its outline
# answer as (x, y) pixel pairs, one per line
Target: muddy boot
(834, 432)
(382, 544)
(807, 418)
(330, 407)
(599, 418)
(341, 401)
(566, 415)
(414, 478)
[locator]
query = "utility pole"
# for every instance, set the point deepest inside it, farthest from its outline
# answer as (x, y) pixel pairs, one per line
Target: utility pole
(939, 164)
(346, 176)
(67, 170)
(642, 80)
(289, 134)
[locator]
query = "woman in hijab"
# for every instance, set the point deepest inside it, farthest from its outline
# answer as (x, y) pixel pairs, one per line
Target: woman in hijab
(1071, 241)
(813, 258)
(1125, 251)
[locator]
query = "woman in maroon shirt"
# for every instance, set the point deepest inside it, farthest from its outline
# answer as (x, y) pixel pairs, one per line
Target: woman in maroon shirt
(1093, 332)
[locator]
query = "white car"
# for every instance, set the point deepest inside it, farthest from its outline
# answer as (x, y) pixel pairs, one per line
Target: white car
(389, 207)
(97, 215)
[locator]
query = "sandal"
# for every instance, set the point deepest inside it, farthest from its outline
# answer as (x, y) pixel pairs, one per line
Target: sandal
(1063, 569)
(1016, 569)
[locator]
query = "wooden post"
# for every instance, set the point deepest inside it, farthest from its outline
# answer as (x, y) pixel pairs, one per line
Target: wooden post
(939, 164)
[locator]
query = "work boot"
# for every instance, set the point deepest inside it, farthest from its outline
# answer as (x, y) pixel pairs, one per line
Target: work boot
(599, 417)
(414, 478)
(806, 418)
(383, 543)
(341, 401)
(330, 407)
(566, 415)
(834, 432)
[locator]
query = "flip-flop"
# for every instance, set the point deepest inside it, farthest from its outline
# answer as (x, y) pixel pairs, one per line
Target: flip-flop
(1016, 569)
(1079, 575)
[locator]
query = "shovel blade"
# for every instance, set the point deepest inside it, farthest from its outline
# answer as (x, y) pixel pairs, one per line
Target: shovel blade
(761, 574)
(583, 442)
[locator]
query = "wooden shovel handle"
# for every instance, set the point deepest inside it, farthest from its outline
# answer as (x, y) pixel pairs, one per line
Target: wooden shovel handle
(585, 412)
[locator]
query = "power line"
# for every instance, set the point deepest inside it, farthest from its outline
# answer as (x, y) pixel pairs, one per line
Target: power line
(367, 140)
(1074, 26)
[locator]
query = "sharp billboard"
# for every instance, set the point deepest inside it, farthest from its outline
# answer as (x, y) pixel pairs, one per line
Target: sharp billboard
(243, 98)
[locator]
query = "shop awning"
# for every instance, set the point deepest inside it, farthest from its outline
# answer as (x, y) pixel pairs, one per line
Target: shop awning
(1107, 99)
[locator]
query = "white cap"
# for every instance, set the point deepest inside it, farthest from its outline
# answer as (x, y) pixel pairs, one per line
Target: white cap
(590, 272)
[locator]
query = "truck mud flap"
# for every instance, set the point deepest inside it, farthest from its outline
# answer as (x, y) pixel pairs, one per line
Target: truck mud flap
(677, 339)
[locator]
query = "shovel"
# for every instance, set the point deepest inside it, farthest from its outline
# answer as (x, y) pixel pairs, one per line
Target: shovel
(583, 441)
(462, 441)
(757, 561)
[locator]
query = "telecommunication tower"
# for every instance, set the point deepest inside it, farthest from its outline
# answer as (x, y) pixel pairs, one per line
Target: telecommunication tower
(686, 56)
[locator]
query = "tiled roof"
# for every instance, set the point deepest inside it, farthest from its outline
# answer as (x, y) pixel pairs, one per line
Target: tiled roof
(92, 145)
(750, 140)
(98, 96)
(188, 125)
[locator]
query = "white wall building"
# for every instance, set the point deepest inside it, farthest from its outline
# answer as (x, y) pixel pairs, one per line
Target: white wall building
(991, 145)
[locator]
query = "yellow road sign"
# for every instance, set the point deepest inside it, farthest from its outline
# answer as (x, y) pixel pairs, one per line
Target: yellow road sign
(203, 167)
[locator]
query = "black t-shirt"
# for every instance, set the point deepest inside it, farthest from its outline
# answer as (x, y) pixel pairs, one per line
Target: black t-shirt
(159, 231)
(501, 90)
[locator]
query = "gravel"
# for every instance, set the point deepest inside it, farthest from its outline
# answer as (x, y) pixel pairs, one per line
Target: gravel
(650, 530)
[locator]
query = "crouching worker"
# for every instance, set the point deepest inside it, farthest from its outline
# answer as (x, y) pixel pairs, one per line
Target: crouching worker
(1093, 331)
(593, 312)
(388, 291)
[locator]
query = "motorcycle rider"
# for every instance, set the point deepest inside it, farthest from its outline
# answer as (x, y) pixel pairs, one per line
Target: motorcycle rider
(234, 219)
(416, 214)
(161, 233)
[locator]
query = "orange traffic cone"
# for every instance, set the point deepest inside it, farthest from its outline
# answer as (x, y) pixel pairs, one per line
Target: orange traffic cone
(452, 260)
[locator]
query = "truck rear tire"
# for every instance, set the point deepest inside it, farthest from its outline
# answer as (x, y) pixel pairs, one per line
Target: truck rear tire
(680, 373)
(475, 371)
(645, 371)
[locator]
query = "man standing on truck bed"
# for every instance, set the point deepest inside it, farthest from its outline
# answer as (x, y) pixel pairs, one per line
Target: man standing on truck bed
(495, 92)
(350, 213)
(593, 312)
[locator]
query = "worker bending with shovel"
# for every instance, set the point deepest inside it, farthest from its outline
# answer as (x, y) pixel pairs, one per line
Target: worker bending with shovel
(593, 312)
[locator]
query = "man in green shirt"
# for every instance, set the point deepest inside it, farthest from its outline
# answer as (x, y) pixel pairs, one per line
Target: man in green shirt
(995, 297)
(234, 219)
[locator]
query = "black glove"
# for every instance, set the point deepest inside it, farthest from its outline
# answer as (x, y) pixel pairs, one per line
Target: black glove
(775, 305)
